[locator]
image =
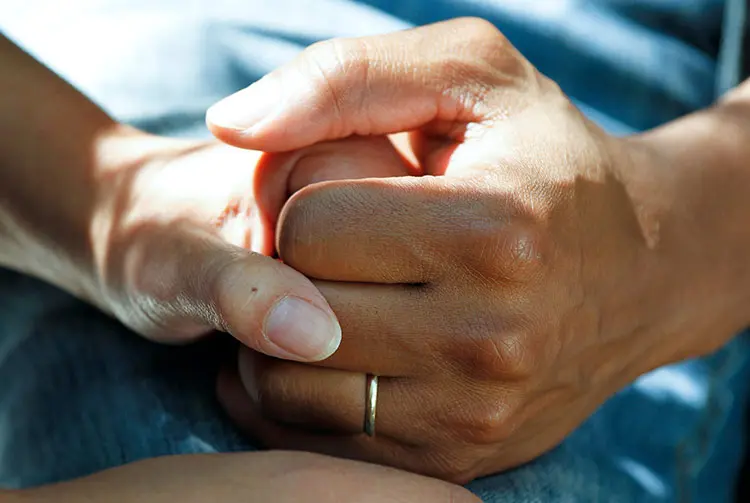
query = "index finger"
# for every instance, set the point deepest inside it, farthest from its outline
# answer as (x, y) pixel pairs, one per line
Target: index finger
(369, 230)
(371, 86)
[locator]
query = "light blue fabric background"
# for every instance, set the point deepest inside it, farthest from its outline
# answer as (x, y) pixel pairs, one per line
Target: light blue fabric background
(79, 393)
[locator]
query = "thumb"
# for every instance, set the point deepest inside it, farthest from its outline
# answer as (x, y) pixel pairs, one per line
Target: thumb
(439, 74)
(210, 284)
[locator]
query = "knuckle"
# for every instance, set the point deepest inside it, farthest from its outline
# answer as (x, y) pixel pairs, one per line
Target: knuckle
(476, 60)
(508, 356)
(141, 268)
(489, 423)
(481, 30)
(337, 53)
(490, 47)
(324, 58)
(520, 252)
(338, 69)
(508, 241)
(502, 251)
(481, 420)
(173, 300)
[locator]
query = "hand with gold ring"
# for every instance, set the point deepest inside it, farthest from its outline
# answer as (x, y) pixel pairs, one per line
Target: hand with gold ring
(536, 269)
(371, 405)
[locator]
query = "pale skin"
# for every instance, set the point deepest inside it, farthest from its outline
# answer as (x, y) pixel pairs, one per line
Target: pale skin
(541, 266)
(99, 210)
(283, 477)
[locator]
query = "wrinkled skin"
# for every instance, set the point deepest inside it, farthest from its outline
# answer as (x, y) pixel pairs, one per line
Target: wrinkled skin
(181, 247)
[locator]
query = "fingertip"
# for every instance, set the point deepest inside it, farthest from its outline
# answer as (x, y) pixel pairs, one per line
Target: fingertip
(233, 396)
(236, 136)
(273, 136)
(274, 309)
(248, 107)
(224, 134)
(256, 117)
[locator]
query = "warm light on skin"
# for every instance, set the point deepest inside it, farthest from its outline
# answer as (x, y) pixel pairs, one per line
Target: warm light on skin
(552, 256)
(580, 247)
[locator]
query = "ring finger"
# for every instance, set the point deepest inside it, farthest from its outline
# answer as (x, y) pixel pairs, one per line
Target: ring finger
(328, 400)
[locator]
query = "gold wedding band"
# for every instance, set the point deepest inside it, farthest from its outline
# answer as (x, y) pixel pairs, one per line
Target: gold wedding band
(371, 404)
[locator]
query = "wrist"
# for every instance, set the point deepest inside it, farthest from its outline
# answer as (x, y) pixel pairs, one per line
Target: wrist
(57, 232)
(691, 179)
(48, 202)
(58, 156)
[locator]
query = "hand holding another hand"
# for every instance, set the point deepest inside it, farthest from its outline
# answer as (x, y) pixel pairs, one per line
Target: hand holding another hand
(181, 245)
(531, 273)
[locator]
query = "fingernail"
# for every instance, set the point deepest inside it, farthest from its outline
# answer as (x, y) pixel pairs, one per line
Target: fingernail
(247, 108)
(302, 329)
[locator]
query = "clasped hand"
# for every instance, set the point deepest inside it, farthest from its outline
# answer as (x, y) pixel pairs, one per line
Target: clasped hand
(501, 295)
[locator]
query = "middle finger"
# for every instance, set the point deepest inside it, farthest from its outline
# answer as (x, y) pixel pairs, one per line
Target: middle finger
(387, 330)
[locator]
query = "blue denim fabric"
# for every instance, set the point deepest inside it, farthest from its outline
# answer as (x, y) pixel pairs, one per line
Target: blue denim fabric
(79, 393)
